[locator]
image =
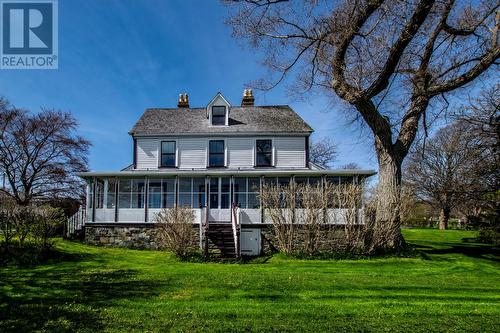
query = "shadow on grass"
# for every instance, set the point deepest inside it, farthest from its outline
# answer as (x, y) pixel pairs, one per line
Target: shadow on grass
(64, 298)
(472, 250)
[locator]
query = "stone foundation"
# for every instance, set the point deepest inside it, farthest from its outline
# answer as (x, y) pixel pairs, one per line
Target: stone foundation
(144, 236)
(134, 237)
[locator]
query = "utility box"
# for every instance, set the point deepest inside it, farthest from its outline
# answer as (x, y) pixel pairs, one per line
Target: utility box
(250, 242)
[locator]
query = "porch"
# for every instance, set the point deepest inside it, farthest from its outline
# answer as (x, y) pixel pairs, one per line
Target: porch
(138, 200)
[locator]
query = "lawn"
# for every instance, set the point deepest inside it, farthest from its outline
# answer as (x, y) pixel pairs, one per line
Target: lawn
(453, 285)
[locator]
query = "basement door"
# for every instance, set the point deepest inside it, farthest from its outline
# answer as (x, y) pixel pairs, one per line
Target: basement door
(250, 241)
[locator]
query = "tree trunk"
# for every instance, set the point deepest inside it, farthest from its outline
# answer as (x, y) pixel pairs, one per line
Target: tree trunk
(444, 216)
(387, 233)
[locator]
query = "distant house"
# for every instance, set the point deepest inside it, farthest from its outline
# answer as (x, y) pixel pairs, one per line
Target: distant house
(211, 159)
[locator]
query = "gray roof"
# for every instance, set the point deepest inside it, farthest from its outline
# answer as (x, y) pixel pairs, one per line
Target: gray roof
(250, 119)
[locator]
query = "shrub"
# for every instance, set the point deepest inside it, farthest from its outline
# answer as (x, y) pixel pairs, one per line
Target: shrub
(7, 219)
(279, 204)
(45, 223)
(489, 236)
(175, 232)
(24, 218)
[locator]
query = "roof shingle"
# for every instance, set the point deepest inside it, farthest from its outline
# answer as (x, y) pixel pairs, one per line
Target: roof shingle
(250, 119)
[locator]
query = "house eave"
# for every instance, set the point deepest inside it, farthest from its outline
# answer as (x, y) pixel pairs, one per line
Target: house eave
(222, 133)
(229, 172)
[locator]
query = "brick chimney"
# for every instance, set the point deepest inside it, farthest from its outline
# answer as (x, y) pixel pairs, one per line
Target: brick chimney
(183, 101)
(248, 99)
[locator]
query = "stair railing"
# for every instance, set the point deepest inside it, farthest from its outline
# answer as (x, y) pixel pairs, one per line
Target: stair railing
(235, 223)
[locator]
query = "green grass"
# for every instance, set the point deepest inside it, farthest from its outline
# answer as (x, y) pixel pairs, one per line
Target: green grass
(453, 286)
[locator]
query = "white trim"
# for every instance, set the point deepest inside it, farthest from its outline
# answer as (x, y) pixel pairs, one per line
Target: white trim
(215, 97)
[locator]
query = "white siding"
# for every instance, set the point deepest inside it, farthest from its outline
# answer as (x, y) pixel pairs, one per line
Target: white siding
(192, 153)
(240, 152)
(147, 153)
(290, 152)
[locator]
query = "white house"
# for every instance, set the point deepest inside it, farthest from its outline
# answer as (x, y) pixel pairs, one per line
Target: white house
(207, 158)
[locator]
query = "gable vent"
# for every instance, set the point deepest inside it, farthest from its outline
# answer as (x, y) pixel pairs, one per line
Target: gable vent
(183, 101)
(248, 99)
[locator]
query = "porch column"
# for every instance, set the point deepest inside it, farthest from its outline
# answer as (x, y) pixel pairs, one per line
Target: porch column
(260, 199)
(94, 183)
(146, 199)
(323, 197)
(116, 197)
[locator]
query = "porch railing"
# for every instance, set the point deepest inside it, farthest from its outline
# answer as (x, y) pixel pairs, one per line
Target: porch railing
(75, 223)
(204, 236)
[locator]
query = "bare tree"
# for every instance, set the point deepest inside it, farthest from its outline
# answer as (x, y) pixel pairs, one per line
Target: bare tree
(449, 169)
(351, 166)
(323, 152)
(393, 61)
(482, 114)
(40, 154)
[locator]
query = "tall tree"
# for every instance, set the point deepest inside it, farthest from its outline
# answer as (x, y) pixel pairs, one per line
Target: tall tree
(40, 154)
(323, 152)
(449, 170)
(482, 114)
(388, 59)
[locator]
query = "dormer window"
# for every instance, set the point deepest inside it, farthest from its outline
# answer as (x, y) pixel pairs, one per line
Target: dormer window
(218, 111)
(218, 115)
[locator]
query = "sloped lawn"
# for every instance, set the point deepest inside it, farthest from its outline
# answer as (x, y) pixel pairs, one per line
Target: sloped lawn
(452, 286)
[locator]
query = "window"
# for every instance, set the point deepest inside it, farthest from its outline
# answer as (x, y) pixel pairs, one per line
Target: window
(216, 153)
(246, 192)
(111, 194)
(240, 192)
(264, 153)
(185, 192)
(192, 192)
(161, 193)
(105, 193)
(198, 192)
(99, 193)
(218, 115)
(131, 193)
(167, 154)
(253, 192)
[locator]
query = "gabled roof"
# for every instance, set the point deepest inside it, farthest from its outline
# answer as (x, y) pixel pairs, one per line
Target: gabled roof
(249, 119)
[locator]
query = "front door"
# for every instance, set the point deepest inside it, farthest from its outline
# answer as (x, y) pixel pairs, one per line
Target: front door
(219, 199)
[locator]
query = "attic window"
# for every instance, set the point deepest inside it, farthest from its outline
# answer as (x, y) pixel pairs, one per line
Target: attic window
(218, 115)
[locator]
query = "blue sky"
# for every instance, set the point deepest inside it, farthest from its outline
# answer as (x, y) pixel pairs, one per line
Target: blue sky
(117, 58)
